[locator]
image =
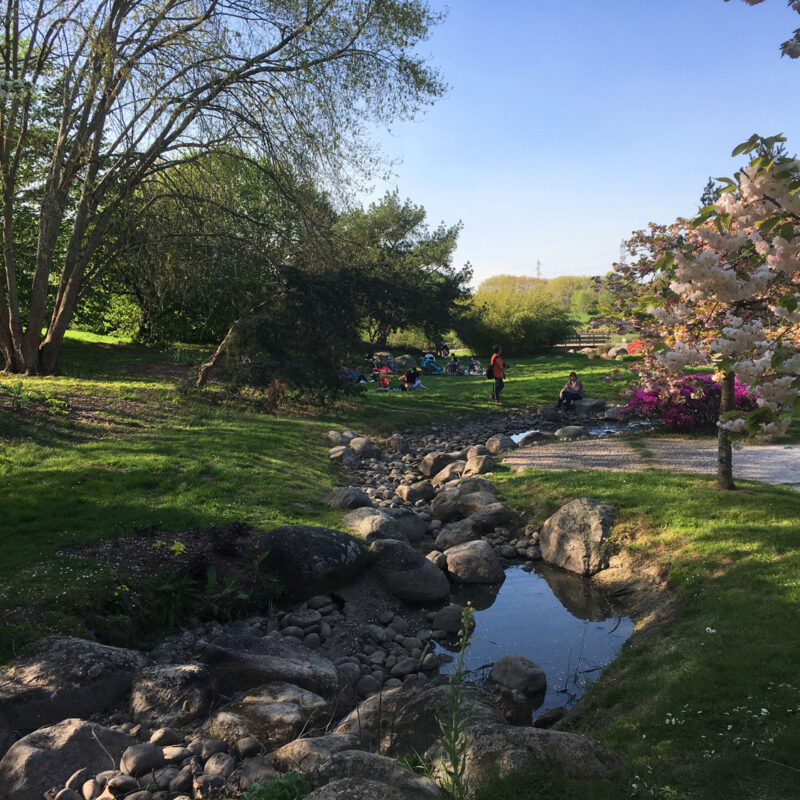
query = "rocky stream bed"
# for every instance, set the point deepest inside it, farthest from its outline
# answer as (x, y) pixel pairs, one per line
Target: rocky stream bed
(348, 675)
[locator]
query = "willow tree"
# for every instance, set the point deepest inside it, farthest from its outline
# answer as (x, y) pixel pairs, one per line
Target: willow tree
(97, 95)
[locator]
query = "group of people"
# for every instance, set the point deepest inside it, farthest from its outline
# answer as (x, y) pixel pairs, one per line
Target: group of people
(411, 380)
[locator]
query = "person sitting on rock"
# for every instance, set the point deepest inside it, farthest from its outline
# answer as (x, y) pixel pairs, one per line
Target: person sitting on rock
(573, 390)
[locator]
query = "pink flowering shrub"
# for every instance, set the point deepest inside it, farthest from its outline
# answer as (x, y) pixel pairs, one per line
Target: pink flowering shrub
(692, 403)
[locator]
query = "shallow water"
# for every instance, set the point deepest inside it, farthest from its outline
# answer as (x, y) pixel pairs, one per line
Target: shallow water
(599, 428)
(556, 619)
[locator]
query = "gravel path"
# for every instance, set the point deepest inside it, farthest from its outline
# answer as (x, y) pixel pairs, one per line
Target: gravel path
(776, 464)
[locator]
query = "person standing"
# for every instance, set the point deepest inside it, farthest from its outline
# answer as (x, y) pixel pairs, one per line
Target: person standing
(498, 372)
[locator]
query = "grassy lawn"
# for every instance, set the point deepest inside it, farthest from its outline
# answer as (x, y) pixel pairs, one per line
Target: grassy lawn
(707, 705)
(112, 445)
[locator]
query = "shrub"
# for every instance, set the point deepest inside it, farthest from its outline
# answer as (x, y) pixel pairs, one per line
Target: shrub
(635, 347)
(692, 404)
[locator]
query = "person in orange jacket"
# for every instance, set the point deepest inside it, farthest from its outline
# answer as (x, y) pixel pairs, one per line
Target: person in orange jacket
(498, 370)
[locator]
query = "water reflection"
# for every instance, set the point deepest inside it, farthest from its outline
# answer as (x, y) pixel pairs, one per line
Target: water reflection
(557, 620)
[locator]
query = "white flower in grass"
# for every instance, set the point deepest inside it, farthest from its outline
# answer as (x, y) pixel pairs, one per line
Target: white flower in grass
(710, 630)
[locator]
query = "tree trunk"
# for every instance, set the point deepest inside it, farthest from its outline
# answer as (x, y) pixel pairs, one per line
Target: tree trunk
(206, 369)
(724, 454)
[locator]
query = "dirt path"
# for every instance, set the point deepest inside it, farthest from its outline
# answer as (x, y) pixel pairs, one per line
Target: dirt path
(776, 464)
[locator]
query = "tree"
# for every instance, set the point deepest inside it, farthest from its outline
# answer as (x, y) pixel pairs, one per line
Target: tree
(724, 290)
(791, 47)
(405, 275)
(124, 89)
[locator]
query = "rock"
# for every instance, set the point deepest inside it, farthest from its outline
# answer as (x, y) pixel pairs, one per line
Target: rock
(122, 785)
(365, 768)
(516, 707)
(64, 676)
(367, 685)
(421, 490)
(575, 537)
(221, 764)
(404, 720)
(363, 447)
(397, 443)
(438, 558)
(474, 562)
(477, 450)
(445, 505)
(165, 737)
(497, 444)
(141, 758)
(367, 789)
(335, 438)
(406, 573)
(550, 717)
(517, 672)
(302, 755)
(571, 432)
(449, 619)
(434, 463)
(371, 524)
(590, 405)
(171, 694)
(451, 472)
(251, 771)
(534, 437)
(68, 794)
(347, 497)
(474, 501)
(274, 713)
(344, 455)
(474, 484)
(456, 533)
(490, 517)
(495, 751)
(409, 522)
(6, 735)
(348, 436)
(478, 465)
(270, 660)
(309, 560)
(46, 758)
(248, 747)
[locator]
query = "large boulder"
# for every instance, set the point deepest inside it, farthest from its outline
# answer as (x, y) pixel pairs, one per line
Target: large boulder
(517, 672)
(576, 536)
(590, 405)
(405, 720)
(397, 443)
(474, 501)
(347, 497)
(499, 443)
(64, 676)
(456, 533)
(302, 755)
(452, 472)
(476, 484)
(48, 757)
(6, 735)
(435, 462)
(490, 517)
(309, 560)
(411, 524)
(406, 573)
(363, 447)
(479, 465)
(571, 432)
(474, 562)
(495, 751)
(171, 695)
(373, 523)
(268, 660)
(445, 505)
(274, 714)
(355, 774)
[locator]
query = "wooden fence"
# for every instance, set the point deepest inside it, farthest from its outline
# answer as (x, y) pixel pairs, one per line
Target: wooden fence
(586, 339)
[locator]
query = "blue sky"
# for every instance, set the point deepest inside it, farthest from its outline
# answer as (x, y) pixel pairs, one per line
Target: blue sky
(571, 123)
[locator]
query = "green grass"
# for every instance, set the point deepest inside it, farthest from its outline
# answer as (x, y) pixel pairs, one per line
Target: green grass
(131, 450)
(125, 449)
(733, 561)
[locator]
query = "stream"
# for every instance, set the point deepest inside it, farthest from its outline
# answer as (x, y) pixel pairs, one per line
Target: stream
(558, 620)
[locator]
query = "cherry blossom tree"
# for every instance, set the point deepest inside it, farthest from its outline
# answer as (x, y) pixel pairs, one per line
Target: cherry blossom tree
(723, 290)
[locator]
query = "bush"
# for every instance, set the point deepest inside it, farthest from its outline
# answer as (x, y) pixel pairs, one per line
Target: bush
(692, 404)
